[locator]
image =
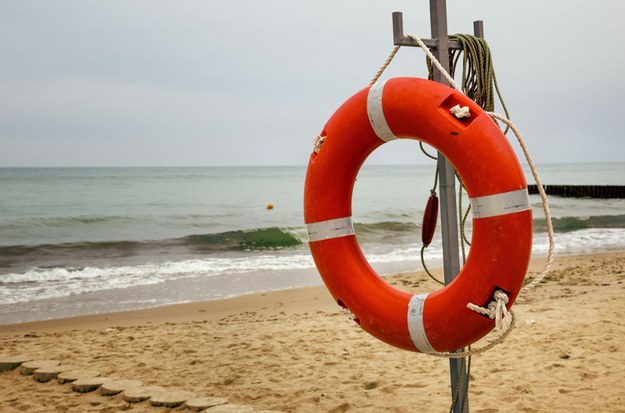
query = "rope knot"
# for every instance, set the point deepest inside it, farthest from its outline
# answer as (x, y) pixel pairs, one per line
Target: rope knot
(496, 310)
(318, 141)
(460, 112)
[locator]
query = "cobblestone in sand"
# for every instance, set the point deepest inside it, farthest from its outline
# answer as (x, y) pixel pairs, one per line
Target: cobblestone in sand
(87, 384)
(73, 375)
(142, 393)
(29, 367)
(113, 387)
(202, 403)
(8, 363)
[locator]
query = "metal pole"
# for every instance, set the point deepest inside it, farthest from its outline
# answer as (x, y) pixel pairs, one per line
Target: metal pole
(447, 192)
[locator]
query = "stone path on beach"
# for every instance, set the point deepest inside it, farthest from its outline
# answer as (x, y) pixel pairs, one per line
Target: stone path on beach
(131, 391)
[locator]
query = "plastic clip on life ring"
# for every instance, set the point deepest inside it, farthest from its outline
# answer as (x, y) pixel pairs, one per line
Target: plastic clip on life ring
(411, 108)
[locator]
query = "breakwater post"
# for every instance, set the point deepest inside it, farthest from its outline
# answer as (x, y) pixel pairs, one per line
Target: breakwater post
(581, 191)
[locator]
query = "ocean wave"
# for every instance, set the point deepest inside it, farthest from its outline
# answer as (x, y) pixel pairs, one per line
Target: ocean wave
(583, 241)
(80, 253)
(384, 227)
(252, 240)
(79, 220)
(48, 282)
(241, 240)
(568, 224)
(44, 283)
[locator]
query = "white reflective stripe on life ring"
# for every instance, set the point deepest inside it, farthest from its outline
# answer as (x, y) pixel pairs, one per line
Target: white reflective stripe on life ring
(415, 323)
(376, 113)
(500, 204)
(332, 228)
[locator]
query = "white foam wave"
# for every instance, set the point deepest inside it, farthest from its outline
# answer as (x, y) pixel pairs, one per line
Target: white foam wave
(44, 283)
(583, 241)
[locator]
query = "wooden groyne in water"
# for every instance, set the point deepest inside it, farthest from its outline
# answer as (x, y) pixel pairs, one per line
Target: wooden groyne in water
(581, 191)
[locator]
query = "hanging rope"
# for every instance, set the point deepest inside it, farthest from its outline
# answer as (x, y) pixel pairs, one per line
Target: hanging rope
(544, 201)
(466, 363)
(426, 152)
(387, 62)
(485, 348)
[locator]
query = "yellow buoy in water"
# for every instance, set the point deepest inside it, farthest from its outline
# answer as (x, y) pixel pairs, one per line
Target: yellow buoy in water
(269, 206)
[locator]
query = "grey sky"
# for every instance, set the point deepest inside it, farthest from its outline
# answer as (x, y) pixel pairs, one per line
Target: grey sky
(233, 82)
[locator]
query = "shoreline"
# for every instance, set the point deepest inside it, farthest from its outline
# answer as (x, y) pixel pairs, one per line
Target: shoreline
(291, 299)
(170, 292)
(294, 351)
(32, 297)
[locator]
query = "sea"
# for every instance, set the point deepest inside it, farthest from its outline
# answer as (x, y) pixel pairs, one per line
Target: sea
(77, 241)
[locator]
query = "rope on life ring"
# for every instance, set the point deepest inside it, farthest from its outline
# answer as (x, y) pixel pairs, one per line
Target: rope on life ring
(411, 108)
(488, 104)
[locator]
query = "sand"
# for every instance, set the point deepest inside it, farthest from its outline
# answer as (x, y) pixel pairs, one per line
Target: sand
(294, 351)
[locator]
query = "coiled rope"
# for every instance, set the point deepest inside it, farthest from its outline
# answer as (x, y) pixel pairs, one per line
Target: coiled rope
(478, 73)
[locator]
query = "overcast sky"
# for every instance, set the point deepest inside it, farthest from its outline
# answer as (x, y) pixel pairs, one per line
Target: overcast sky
(243, 82)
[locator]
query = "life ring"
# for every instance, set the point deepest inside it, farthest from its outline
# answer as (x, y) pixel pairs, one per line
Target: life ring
(412, 108)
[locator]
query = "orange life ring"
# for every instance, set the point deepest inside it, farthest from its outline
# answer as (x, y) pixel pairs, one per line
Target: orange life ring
(501, 244)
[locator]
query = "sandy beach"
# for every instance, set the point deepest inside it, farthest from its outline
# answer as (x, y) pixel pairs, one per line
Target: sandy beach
(294, 351)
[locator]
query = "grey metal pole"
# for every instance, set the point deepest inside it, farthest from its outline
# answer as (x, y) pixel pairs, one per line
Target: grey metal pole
(440, 44)
(447, 193)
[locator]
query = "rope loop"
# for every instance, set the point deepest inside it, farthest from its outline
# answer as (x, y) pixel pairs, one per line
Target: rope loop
(318, 141)
(496, 310)
(460, 112)
(473, 352)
